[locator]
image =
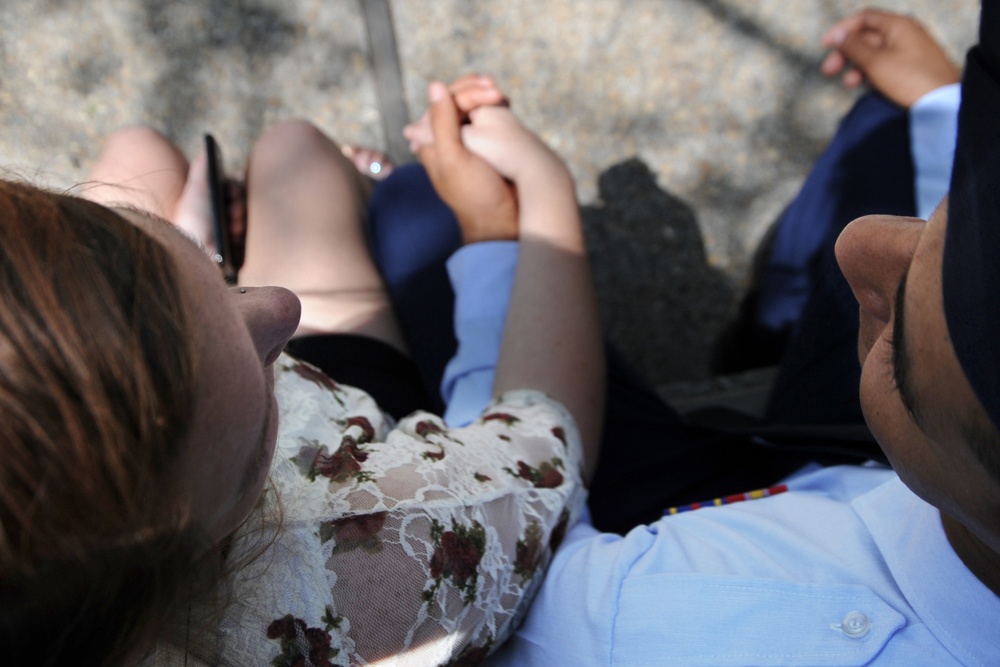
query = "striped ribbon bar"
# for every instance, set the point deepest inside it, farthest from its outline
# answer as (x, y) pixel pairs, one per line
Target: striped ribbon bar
(729, 500)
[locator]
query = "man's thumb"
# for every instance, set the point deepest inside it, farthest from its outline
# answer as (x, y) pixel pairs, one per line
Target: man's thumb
(444, 118)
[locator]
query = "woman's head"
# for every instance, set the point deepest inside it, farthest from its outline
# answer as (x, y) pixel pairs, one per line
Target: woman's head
(235, 334)
(136, 420)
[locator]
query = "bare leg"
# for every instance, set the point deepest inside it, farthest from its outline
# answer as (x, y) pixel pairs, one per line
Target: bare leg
(305, 231)
(138, 167)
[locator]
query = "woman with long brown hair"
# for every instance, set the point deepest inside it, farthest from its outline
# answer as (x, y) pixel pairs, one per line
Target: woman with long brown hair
(144, 405)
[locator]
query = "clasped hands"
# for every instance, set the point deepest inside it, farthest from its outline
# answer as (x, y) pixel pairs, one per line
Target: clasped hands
(475, 151)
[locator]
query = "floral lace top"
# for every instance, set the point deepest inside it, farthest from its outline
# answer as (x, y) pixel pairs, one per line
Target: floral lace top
(401, 544)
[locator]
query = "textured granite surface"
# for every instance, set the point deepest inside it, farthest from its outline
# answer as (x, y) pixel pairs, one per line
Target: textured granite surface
(687, 123)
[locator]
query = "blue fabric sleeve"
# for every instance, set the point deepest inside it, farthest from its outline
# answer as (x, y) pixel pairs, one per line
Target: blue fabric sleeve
(933, 128)
(482, 275)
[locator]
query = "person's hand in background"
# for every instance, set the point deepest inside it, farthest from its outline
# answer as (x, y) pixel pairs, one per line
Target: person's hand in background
(894, 54)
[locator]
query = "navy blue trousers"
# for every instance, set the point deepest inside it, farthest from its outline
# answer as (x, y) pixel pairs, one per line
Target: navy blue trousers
(650, 458)
(866, 169)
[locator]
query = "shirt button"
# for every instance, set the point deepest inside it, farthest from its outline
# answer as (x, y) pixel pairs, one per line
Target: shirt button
(855, 625)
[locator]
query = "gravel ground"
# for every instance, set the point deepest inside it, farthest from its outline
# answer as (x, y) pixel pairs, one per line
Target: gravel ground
(688, 124)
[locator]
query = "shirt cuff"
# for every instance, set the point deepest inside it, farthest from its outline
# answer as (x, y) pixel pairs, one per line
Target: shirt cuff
(933, 129)
(482, 276)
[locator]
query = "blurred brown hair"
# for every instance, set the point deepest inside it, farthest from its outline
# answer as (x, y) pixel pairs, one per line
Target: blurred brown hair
(96, 388)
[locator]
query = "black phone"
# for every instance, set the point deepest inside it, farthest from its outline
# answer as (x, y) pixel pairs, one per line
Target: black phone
(220, 210)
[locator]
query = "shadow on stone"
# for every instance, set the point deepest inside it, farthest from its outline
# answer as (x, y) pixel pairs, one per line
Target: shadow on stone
(661, 304)
(190, 34)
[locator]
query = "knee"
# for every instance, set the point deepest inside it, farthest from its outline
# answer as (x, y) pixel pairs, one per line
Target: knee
(137, 137)
(294, 135)
(291, 148)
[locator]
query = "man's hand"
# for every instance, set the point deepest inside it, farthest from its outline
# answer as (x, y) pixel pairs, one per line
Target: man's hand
(894, 53)
(482, 200)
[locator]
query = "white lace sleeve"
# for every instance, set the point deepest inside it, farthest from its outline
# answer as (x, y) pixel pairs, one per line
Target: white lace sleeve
(414, 544)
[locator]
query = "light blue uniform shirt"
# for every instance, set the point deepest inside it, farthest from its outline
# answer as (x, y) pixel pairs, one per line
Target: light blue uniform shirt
(482, 275)
(933, 131)
(846, 568)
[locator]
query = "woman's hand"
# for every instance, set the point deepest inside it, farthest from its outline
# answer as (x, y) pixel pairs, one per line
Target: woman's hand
(496, 135)
(482, 200)
(895, 54)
